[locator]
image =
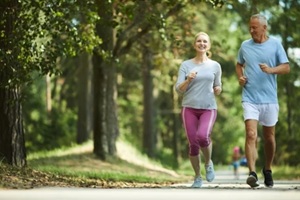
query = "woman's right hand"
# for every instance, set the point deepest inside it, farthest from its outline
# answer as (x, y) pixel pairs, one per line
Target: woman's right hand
(191, 76)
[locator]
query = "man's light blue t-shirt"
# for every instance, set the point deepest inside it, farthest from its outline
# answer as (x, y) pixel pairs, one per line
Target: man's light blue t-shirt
(260, 87)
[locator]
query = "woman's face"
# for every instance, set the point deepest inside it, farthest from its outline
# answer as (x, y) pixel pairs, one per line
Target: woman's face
(202, 43)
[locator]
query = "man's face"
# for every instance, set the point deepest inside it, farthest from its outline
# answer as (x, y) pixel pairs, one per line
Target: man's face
(257, 30)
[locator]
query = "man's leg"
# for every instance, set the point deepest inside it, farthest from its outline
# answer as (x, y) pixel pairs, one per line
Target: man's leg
(269, 146)
(251, 151)
(250, 143)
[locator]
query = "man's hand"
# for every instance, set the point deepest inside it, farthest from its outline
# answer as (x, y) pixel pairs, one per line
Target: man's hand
(265, 68)
(242, 80)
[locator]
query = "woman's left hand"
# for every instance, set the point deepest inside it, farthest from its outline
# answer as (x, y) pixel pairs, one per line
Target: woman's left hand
(217, 90)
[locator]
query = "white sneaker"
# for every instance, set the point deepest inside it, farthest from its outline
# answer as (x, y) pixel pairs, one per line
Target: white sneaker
(210, 172)
(197, 182)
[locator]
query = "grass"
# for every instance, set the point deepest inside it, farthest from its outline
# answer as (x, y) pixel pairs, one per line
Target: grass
(78, 167)
(285, 172)
(88, 166)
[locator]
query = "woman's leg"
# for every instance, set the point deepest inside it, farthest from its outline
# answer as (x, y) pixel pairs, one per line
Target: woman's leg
(206, 123)
(190, 123)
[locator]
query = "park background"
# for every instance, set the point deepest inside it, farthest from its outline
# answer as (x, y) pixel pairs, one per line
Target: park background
(97, 72)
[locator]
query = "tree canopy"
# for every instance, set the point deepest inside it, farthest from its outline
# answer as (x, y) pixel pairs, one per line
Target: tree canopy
(148, 41)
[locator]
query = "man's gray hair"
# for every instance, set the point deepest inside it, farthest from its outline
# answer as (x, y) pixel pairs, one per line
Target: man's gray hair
(262, 19)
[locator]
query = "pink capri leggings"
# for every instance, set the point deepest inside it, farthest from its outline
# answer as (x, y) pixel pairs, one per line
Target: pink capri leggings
(198, 124)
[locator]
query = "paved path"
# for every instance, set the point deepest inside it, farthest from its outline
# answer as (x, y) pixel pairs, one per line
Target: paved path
(224, 187)
(225, 180)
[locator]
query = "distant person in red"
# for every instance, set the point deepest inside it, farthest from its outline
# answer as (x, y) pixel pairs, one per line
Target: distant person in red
(236, 156)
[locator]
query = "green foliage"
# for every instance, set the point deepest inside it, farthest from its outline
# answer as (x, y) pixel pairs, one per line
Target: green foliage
(43, 32)
(44, 129)
(169, 51)
(60, 29)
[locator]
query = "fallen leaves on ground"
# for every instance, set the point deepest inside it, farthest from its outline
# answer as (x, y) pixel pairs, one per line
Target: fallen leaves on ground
(26, 178)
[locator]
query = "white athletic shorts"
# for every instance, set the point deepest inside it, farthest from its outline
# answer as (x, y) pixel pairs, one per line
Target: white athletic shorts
(265, 114)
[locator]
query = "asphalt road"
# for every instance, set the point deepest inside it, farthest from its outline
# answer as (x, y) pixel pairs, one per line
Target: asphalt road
(224, 187)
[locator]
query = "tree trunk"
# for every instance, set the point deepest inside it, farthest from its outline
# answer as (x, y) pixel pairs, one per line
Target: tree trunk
(99, 107)
(105, 114)
(176, 127)
(48, 94)
(111, 109)
(85, 102)
(149, 136)
(12, 143)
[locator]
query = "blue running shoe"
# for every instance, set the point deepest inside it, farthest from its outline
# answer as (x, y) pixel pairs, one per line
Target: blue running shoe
(210, 172)
(197, 182)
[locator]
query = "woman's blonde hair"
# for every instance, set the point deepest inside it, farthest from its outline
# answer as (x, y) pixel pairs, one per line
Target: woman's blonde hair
(201, 33)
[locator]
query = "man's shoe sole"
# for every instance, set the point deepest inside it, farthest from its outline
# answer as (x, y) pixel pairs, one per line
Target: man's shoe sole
(269, 186)
(251, 180)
